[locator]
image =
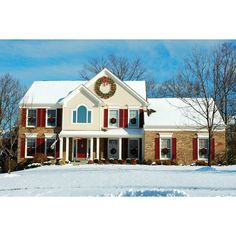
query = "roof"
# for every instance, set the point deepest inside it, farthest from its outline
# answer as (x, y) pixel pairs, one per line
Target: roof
(52, 92)
(174, 113)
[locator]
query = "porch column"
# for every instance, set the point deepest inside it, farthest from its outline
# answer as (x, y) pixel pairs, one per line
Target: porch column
(67, 149)
(120, 148)
(91, 149)
(61, 148)
(98, 148)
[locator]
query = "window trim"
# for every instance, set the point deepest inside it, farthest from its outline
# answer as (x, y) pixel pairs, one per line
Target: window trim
(166, 137)
(137, 125)
(87, 123)
(137, 139)
(50, 126)
(45, 148)
(198, 154)
(26, 145)
(27, 111)
(118, 118)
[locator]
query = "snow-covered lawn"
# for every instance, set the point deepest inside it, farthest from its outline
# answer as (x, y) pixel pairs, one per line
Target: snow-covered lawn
(120, 180)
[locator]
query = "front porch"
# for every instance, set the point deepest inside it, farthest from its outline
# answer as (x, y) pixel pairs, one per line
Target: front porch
(79, 147)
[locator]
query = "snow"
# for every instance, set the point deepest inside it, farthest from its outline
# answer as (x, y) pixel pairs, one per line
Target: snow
(52, 92)
(174, 113)
(120, 180)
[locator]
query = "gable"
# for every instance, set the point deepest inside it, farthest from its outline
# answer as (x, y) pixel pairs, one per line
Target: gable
(123, 95)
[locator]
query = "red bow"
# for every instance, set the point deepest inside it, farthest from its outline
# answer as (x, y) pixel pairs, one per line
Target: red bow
(105, 81)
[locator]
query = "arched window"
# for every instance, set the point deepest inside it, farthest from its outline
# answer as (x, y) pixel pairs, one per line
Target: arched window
(82, 115)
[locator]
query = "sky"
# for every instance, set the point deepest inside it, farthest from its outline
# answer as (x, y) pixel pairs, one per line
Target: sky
(30, 60)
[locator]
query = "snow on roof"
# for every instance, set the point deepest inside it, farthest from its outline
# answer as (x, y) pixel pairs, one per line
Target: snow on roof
(52, 92)
(173, 112)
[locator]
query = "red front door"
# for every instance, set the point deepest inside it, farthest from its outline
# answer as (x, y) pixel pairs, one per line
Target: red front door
(82, 148)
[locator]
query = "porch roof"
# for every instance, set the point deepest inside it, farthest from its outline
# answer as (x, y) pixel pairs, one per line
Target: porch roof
(111, 133)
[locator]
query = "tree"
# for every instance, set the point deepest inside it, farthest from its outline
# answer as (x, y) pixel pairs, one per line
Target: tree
(198, 87)
(10, 94)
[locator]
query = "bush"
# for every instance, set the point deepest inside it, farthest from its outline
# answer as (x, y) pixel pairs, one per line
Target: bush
(201, 163)
(61, 162)
(133, 161)
(158, 162)
(5, 166)
(149, 162)
(106, 161)
(96, 161)
(174, 162)
(122, 162)
(90, 162)
(100, 162)
(166, 162)
(115, 161)
(40, 158)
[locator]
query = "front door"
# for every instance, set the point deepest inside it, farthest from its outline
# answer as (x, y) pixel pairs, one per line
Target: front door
(113, 149)
(134, 148)
(82, 148)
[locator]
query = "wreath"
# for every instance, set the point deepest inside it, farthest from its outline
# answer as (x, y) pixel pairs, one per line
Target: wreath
(203, 151)
(133, 121)
(51, 119)
(134, 151)
(105, 81)
(113, 120)
(113, 151)
(165, 151)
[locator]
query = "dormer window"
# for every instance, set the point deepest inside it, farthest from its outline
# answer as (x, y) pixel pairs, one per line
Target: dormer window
(82, 115)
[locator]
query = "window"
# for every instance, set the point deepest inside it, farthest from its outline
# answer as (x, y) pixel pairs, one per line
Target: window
(165, 148)
(31, 118)
(113, 118)
(133, 118)
(50, 147)
(203, 148)
(51, 117)
(134, 148)
(81, 115)
(31, 144)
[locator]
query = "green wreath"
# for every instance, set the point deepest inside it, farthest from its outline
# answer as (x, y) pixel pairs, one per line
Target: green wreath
(105, 80)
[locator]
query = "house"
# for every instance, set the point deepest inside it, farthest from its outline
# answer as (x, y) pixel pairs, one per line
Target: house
(106, 118)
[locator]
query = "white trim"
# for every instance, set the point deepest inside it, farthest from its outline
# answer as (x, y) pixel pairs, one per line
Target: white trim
(81, 86)
(130, 139)
(31, 126)
(48, 126)
(106, 72)
(202, 135)
(137, 123)
(170, 129)
(40, 105)
(31, 135)
(166, 158)
(165, 135)
(118, 118)
(50, 135)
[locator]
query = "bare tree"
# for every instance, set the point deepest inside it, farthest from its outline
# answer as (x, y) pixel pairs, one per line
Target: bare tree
(197, 86)
(123, 67)
(10, 94)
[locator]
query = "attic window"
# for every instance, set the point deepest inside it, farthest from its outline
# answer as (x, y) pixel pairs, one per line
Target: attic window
(81, 115)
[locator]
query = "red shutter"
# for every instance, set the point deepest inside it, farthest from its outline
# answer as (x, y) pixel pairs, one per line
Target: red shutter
(141, 118)
(39, 114)
(173, 148)
(121, 118)
(195, 149)
(59, 117)
(124, 148)
(212, 149)
(157, 148)
(105, 124)
(23, 117)
(105, 142)
(125, 118)
(43, 117)
(22, 153)
(57, 148)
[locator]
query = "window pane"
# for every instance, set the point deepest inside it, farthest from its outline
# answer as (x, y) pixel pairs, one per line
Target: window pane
(89, 116)
(203, 148)
(51, 121)
(30, 147)
(50, 148)
(74, 116)
(113, 118)
(31, 117)
(166, 148)
(133, 118)
(82, 114)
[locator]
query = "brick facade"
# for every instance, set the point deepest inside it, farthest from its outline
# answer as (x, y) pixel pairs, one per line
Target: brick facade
(184, 145)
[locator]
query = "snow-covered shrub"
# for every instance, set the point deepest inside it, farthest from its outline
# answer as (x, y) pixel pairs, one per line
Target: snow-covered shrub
(95, 161)
(90, 162)
(200, 163)
(133, 161)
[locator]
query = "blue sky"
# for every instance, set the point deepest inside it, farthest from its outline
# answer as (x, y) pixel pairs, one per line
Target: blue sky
(30, 60)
